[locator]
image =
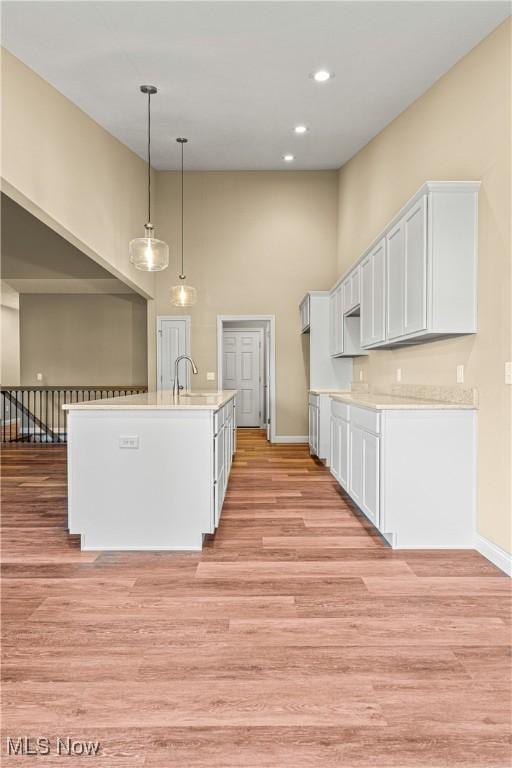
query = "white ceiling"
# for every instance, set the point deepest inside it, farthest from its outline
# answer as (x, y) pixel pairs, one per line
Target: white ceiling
(233, 76)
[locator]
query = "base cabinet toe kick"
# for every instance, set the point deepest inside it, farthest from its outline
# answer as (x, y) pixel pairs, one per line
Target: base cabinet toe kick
(149, 478)
(411, 472)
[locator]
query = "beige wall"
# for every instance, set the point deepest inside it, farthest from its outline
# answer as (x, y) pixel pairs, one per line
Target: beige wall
(83, 339)
(71, 173)
(254, 243)
(459, 129)
(9, 336)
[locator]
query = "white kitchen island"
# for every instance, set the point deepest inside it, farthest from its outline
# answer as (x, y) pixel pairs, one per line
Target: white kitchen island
(149, 471)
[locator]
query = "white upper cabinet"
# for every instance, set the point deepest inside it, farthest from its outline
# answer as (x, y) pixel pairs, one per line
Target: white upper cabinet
(336, 321)
(429, 254)
(373, 296)
(305, 313)
(415, 267)
(350, 287)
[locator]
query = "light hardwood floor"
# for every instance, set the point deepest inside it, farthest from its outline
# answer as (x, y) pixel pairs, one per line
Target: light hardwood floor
(296, 638)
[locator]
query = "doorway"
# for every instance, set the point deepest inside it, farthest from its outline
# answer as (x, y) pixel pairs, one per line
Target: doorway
(246, 362)
(173, 340)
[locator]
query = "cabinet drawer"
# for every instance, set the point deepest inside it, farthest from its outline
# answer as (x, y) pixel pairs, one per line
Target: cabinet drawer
(365, 419)
(340, 410)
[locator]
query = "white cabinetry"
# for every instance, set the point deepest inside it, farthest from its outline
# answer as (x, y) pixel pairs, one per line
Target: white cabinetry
(411, 471)
(407, 273)
(339, 461)
(336, 321)
(304, 314)
(350, 287)
(431, 265)
(223, 450)
(373, 296)
(314, 424)
(417, 281)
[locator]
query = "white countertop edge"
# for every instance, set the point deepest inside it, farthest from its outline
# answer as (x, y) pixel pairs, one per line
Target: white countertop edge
(147, 401)
(391, 402)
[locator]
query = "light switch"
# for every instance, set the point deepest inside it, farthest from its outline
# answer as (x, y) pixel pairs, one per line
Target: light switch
(129, 441)
(39, 376)
(508, 373)
(360, 375)
(399, 374)
(210, 376)
(460, 374)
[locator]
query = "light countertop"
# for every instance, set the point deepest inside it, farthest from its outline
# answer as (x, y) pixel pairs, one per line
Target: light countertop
(191, 401)
(389, 402)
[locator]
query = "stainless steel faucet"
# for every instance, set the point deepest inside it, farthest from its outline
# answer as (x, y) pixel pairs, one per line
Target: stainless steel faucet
(176, 386)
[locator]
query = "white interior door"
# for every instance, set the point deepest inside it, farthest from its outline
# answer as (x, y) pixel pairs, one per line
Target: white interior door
(242, 371)
(267, 382)
(173, 341)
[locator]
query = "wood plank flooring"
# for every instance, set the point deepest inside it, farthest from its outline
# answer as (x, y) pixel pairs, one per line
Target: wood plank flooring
(296, 638)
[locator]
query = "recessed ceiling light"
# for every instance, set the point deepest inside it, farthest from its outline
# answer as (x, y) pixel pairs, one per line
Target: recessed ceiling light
(322, 76)
(300, 129)
(288, 158)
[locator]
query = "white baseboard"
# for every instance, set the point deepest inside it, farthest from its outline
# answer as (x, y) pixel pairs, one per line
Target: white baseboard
(291, 439)
(498, 556)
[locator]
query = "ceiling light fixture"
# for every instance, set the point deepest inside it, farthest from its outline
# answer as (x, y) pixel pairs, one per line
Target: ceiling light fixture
(147, 253)
(300, 129)
(183, 295)
(322, 76)
(288, 158)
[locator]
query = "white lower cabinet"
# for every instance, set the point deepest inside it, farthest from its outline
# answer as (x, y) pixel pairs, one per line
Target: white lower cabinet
(223, 450)
(370, 498)
(411, 472)
(355, 483)
(319, 426)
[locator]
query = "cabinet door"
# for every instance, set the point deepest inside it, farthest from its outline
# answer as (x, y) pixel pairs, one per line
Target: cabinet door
(311, 430)
(335, 448)
(379, 292)
(346, 289)
(354, 288)
(344, 453)
(340, 308)
(370, 500)
(367, 309)
(332, 323)
(395, 282)
(356, 465)
(415, 282)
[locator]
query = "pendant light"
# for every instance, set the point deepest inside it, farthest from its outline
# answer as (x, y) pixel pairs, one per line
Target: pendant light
(147, 253)
(183, 295)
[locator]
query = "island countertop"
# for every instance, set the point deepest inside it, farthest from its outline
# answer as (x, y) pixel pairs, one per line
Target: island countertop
(163, 400)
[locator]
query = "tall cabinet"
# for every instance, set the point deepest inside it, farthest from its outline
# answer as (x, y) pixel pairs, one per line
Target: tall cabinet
(326, 372)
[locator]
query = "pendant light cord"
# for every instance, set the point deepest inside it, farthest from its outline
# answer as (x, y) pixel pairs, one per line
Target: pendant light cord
(149, 158)
(182, 273)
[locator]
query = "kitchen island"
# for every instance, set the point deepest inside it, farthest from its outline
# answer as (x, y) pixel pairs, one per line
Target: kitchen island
(149, 471)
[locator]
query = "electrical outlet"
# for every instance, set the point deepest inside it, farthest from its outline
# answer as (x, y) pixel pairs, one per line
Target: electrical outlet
(399, 374)
(129, 441)
(508, 373)
(460, 374)
(39, 376)
(210, 376)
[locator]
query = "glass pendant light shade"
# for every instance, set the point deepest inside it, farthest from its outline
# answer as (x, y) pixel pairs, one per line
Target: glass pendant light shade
(149, 254)
(183, 295)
